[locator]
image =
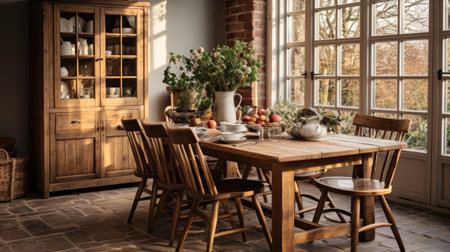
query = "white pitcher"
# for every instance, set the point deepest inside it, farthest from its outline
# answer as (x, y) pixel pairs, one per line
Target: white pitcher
(83, 48)
(224, 108)
(66, 48)
(313, 129)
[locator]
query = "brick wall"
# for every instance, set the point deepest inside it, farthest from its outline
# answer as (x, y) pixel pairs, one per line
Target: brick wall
(245, 20)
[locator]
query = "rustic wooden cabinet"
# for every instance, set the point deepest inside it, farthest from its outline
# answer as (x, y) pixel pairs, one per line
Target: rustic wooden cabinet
(88, 70)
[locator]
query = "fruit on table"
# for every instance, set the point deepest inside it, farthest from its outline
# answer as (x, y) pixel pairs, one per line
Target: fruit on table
(246, 118)
(261, 111)
(196, 121)
(212, 124)
(275, 118)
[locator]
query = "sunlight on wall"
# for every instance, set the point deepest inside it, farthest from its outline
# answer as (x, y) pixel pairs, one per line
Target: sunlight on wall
(158, 35)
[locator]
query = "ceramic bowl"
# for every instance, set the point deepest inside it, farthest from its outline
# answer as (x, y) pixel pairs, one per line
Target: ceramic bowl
(234, 127)
(232, 135)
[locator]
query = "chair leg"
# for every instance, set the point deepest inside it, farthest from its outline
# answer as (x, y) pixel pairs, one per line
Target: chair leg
(390, 217)
(212, 225)
(240, 213)
(227, 210)
(298, 198)
(158, 210)
(332, 205)
(152, 203)
(261, 178)
(176, 216)
(355, 223)
(246, 172)
(136, 199)
(262, 220)
(320, 206)
(188, 225)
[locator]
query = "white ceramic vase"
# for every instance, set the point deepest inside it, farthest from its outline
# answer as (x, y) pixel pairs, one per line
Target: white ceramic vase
(224, 108)
(311, 129)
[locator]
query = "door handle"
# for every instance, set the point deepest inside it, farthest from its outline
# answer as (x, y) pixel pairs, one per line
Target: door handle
(440, 73)
(305, 74)
(314, 74)
(74, 122)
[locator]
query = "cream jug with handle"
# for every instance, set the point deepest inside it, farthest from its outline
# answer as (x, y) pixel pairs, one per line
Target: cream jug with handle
(224, 108)
(66, 48)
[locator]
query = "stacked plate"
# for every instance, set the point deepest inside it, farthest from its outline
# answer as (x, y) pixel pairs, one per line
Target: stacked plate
(232, 133)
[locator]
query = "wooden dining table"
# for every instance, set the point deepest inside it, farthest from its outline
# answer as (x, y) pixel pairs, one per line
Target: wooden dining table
(288, 156)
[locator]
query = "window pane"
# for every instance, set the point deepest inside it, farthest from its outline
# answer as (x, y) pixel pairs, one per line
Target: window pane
(386, 55)
(350, 59)
(297, 60)
(385, 94)
(297, 27)
(327, 92)
(327, 24)
(415, 57)
(447, 108)
(348, 1)
(417, 136)
(415, 18)
(296, 5)
(386, 18)
(415, 94)
(327, 60)
(346, 126)
(447, 46)
(298, 91)
(350, 22)
(447, 136)
(385, 115)
(323, 3)
(350, 93)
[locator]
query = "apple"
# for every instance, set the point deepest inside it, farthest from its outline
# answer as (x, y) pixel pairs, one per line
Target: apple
(212, 124)
(196, 121)
(262, 117)
(246, 118)
(261, 111)
(275, 118)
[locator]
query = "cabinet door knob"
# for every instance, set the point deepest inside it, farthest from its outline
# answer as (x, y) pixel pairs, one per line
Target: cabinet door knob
(98, 59)
(73, 122)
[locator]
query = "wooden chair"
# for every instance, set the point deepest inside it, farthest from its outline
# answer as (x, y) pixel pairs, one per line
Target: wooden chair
(200, 187)
(368, 126)
(169, 180)
(144, 169)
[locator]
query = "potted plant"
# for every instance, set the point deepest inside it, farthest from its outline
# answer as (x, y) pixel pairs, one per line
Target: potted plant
(224, 70)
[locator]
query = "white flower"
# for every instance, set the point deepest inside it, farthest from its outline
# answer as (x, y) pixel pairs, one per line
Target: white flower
(248, 70)
(175, 60)
(216, 54)
(194, 52)
(200, 49)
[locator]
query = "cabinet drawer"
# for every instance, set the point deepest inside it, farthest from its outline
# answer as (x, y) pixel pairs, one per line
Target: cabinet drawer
(114, 120)
(75, 123)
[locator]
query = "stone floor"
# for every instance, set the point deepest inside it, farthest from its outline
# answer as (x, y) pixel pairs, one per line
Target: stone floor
(96, 221)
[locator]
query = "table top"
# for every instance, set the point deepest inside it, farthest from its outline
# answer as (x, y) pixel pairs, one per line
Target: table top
(289, 149)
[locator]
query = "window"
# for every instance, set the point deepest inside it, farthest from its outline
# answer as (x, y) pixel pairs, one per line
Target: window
(382, 68)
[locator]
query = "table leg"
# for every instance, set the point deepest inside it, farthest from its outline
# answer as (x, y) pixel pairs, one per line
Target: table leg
(367, 203)
(282, 209)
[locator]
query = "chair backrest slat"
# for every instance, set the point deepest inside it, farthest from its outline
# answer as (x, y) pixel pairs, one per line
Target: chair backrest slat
(389, 128)
(192, 161)
(161, 154)
(139, 146)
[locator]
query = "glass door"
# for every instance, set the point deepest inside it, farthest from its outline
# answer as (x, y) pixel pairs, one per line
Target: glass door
(442, 103)
(122, 65)
(337, 74)
(76, 61)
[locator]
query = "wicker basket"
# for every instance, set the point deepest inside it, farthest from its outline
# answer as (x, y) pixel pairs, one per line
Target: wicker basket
(7, 173)
(22, 177)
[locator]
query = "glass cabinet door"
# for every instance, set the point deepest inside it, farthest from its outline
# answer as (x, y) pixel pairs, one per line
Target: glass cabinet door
(122, 42)
(77, 68)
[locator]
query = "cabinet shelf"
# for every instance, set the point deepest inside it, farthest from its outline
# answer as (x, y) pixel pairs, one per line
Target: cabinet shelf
(112, 34)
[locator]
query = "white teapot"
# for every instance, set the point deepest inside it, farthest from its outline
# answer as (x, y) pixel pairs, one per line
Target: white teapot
(311, 129)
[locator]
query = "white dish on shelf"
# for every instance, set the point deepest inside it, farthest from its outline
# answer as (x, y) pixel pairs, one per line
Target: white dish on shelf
(64, 90)
(65, 25)
(115, 30)
(112, 96)
(128, 30)
(231, 141)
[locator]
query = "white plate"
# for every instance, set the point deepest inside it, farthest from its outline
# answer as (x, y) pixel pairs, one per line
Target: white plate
(112, 96)
(245, 130)
(220, 138)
